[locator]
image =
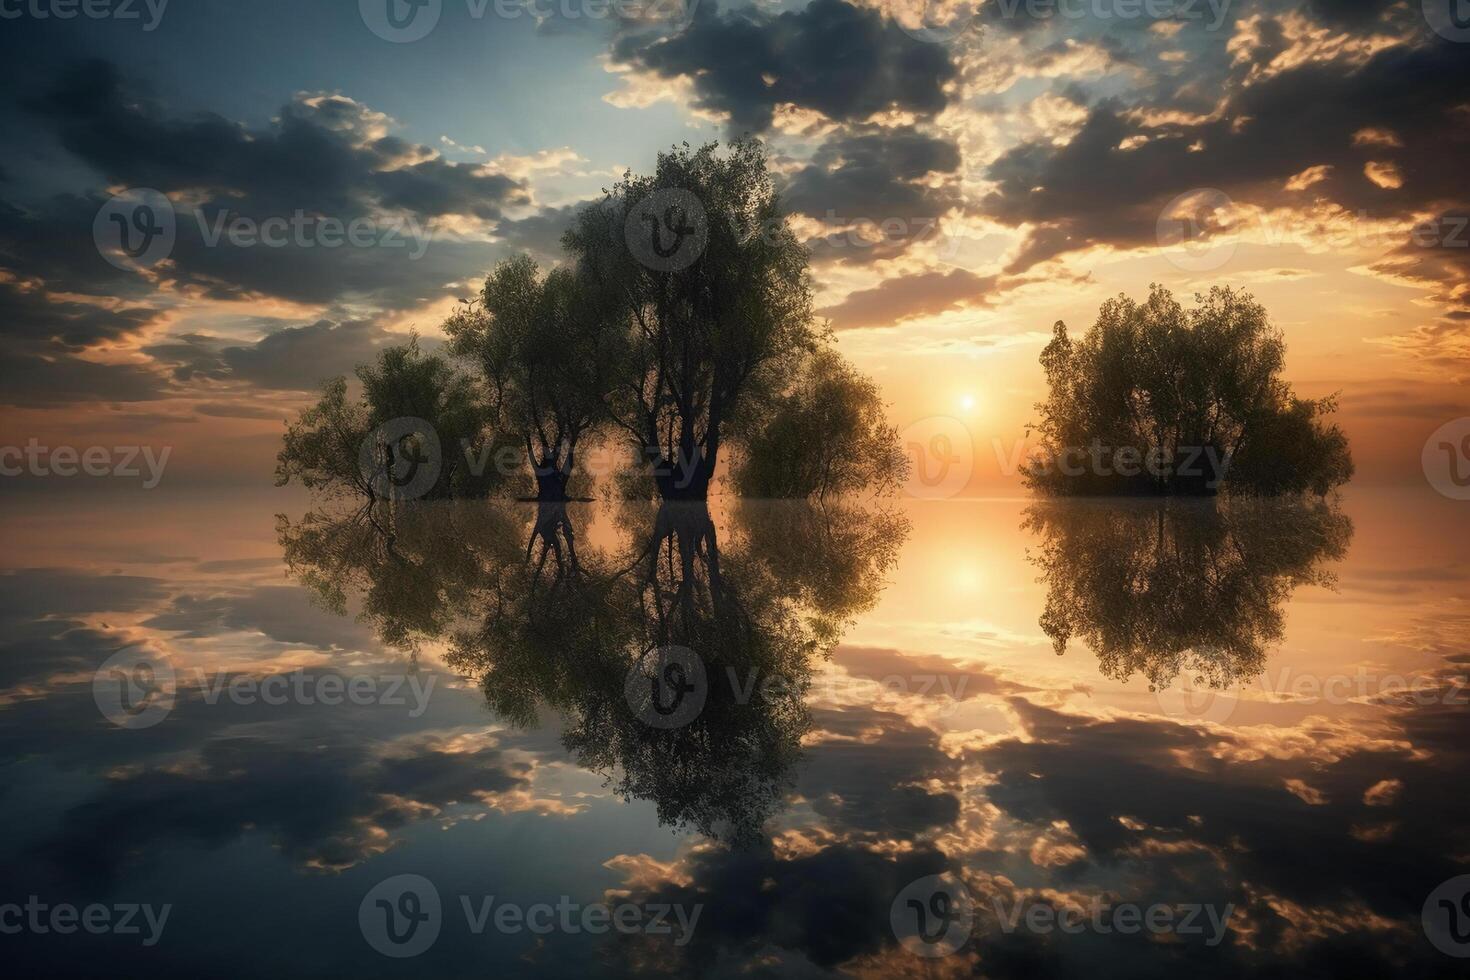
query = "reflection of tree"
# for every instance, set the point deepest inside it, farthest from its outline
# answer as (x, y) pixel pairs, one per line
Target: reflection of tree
(1160, 588)
(410, 565)
(556, 624)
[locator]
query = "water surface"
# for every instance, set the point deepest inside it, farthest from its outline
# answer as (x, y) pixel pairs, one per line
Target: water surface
(910, 737)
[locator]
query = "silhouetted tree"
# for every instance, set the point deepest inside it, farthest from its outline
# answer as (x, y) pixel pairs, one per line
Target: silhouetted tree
(708, 331)
(1159, 399)
(545, 347)
(827, 434)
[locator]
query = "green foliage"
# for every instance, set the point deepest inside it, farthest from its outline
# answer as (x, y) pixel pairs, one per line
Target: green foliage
(1317, 450)
(707, 341)
(828, 434)
(1196, 395)
(546, 347)
(676, 361)
(323, 447)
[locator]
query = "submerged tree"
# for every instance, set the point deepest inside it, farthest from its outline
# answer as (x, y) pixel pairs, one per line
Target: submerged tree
(1159, 399)
(1194, 587)
(416, 416)
(828, 434)
(546, 347)
(718, 301)
(682, 321)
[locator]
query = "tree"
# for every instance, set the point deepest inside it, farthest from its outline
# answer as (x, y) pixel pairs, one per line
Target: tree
(718, 300)
(416, 415)
(827, 434)
(1159, 399)
(545, 347)
(321, 447)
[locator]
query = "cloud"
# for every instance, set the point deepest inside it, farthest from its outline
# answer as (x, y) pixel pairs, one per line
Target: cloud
(287, 359)
(847, 62)
(1093, 191)
(904, 297)
(326, 153)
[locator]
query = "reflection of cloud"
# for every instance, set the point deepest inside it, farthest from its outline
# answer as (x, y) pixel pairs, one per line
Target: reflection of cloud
(282, 613)
(872, 771)
(324, 805)
(1287, 866)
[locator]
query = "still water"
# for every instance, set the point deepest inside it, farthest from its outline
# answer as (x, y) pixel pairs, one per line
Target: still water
(996, 737)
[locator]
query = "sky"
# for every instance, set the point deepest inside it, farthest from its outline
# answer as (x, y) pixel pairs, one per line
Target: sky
(965, 177)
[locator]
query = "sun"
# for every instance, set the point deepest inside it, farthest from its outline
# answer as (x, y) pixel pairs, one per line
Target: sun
(967, 402)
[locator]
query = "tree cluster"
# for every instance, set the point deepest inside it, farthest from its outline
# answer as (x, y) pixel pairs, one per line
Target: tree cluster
(679, 326)
(1159, 399)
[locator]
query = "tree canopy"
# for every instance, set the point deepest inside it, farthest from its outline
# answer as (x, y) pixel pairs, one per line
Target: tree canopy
(418, 420)
(679, 323)
(712, 331)
(1156, 398)
(546, 347)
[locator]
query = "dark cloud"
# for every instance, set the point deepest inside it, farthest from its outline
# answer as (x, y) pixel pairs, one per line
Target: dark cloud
(40, 323)
(288, 359)
(541, 232)
(230, 410)
(923, 294)
(34, 381)
(325, 154)
(1091, 191)
(879, 192)
(1350, 13)
(358, 201)
(846, 62)
(874, 173)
